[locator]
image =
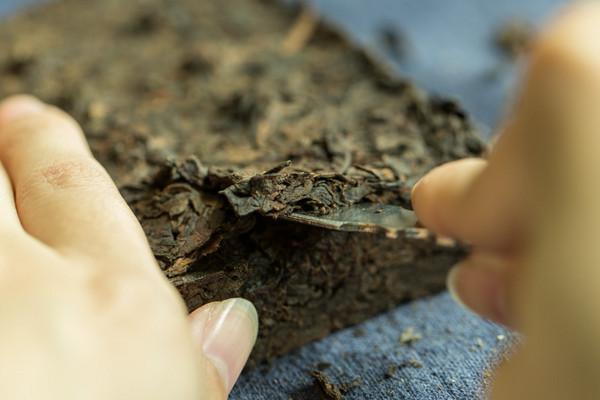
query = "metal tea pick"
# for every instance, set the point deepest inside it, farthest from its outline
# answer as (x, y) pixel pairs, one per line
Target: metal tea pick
(393, 221)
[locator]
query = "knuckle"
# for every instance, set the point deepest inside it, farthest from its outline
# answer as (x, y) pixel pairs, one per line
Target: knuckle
(72, 173)
(75, 172)
(121, 294)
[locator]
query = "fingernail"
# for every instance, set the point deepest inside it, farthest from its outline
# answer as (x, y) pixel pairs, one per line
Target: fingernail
(16, 107)
(414, 188)
(451, 284)
(228, 336)
(484, 288)
(501, 309)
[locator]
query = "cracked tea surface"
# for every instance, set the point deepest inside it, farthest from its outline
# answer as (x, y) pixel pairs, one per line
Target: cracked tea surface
(212, 129)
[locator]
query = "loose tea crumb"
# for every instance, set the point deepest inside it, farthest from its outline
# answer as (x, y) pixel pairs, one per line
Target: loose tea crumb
(390, 372)
(514, 38)
(412, 363)
(347, 387)
(393, 41)
(322, 366)
(329, 389)
(359, 332)
(409, 336)
(301, 32)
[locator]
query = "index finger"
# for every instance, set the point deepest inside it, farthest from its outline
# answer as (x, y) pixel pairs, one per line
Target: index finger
(63, 196)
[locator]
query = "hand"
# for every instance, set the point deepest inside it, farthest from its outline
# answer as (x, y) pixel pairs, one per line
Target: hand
(84, 310)
(532, 214)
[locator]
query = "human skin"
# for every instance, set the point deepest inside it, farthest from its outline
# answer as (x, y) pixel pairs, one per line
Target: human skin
(531, 212)
(84, 309)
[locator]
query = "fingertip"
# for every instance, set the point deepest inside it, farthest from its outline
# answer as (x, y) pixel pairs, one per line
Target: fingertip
(18, 106)
(27, 121)
(426, 200)
(438, 197)
(452, 285)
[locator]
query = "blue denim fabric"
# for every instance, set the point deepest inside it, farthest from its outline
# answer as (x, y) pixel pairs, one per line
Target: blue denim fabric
(455, 354)
(450, 53)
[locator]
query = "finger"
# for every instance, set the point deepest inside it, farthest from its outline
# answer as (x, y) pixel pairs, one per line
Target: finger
(469, 200)
(439, 196)
(480, 284)
(560, 103)
(553, 130)
(9, 221)
(8, 211)
(63, 196)
(527, 375)
(558, 121)
(226, 332)
(558, 113)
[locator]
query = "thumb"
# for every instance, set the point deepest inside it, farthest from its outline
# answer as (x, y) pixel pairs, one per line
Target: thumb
(557, 293)
(225, 332)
